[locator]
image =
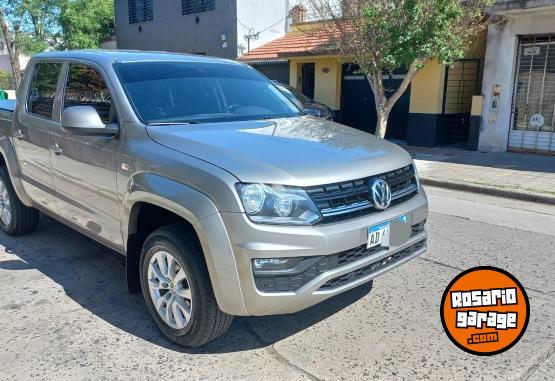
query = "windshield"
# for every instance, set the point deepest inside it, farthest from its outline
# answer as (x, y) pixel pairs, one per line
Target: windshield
(294, 93)
(200, 92)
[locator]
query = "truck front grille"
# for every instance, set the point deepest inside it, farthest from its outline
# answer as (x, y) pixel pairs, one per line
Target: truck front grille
(291, 283)
(351, 199)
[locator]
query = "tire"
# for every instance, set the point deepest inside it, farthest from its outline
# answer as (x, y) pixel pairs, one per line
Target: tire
(206, 322)
(22, 219)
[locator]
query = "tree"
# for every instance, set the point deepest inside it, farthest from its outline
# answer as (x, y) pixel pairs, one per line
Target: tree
(13, 51)
(27, 27)
(33, 26)
(86, 23)
(383, 35)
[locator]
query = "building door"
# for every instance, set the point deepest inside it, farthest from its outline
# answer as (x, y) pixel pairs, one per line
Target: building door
(533, 110)
(358, 109)
(462, 82)
(308, 77)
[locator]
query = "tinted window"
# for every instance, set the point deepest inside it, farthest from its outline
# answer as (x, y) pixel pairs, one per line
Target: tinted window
(293, 93)
(140, 11)
(43, 89)
(201, 92)
(86, 87)
(189, 7)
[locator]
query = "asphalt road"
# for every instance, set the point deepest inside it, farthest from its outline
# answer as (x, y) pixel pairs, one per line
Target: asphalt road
(65, 312)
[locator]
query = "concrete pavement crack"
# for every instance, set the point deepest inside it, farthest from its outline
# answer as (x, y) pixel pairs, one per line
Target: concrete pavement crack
(537, 365)
(274, 353)
(461, 270)
(441, 264)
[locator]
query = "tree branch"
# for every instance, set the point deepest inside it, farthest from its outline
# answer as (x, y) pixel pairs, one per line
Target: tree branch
(413, 70)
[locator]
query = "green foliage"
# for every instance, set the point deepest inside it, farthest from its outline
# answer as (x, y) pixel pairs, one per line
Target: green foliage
(409, 32)
(6, 80)
(40, 25)
(85, 23)
(33, 22)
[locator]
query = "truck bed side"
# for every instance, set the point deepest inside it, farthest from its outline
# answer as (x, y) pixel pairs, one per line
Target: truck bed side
(7, 108)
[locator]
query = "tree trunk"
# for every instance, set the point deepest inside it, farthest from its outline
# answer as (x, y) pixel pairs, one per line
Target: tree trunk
(12, 50)
(381, 125)
(383, 104)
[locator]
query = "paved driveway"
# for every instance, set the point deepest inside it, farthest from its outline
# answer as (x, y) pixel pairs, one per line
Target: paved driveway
(65, 312)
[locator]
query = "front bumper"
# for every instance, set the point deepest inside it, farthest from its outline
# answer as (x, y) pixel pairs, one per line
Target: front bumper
(235, 285)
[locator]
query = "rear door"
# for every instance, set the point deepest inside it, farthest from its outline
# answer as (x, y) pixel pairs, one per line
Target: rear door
(38, 118)
(84, 167)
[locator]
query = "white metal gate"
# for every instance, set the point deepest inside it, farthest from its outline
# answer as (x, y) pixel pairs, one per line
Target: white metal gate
(533, 110)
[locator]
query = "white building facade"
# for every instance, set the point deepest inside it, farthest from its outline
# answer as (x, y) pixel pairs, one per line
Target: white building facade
(518, 110)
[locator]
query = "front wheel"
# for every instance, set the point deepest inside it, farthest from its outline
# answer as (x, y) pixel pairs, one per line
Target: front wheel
(15, 218)
(177, 288)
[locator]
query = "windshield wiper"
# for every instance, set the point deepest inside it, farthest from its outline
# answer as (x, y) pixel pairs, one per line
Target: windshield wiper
(172, 123)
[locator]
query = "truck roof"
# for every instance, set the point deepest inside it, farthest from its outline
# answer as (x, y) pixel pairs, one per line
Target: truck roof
(112, 56)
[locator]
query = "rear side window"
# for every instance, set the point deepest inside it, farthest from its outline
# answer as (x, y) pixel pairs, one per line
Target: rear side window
(86, 87)
(43, 89)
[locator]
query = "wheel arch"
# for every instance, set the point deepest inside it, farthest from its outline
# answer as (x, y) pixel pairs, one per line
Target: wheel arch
(150, 196)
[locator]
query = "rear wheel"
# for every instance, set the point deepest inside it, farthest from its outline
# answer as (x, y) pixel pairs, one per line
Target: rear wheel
(177, 289)
(15, 218)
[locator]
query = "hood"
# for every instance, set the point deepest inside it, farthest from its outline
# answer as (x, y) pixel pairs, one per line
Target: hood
(300, 151)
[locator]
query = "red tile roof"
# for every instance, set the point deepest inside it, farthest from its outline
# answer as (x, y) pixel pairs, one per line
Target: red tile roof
(290, 45)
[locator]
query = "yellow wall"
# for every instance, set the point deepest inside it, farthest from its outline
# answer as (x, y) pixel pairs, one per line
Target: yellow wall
(426, 94)
(427, 87)
(327, 86)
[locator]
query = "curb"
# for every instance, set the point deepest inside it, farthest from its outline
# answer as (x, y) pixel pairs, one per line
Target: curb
(466, 187)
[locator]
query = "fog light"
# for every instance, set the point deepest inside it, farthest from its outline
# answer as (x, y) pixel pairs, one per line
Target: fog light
(275, 264)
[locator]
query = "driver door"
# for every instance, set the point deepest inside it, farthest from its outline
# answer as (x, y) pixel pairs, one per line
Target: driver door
(84, 167)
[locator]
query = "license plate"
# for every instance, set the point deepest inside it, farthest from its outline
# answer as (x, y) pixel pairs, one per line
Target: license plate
(379, 235)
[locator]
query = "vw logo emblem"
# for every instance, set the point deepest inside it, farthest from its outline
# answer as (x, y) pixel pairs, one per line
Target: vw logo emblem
(380, 193)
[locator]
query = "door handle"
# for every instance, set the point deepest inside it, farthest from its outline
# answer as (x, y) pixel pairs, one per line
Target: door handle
(18, 134)
(56, 149)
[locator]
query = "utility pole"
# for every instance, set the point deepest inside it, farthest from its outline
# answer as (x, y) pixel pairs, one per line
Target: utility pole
(252, 36)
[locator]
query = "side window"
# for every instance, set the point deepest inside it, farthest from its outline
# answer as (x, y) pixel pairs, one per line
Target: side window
(43, 89)
(86, 87)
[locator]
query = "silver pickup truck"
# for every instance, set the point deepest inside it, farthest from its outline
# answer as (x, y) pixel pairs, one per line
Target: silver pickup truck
(223, 196)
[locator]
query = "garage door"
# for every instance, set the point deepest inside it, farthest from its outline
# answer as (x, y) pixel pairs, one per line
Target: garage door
(278, 71)
(533, 113)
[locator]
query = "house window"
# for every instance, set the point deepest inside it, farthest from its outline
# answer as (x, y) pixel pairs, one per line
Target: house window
(189, 7)
(140, 11)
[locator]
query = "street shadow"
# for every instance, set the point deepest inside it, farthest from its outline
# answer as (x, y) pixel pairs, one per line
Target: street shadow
(94, 277)
(518, 161)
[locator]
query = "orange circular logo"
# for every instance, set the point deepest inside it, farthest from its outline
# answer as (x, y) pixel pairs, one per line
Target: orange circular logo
(485, 311)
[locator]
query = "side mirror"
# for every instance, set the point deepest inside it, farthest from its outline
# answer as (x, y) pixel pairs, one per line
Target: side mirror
(84, 120)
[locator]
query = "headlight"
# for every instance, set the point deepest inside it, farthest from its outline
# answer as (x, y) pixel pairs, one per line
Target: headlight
(277, 204)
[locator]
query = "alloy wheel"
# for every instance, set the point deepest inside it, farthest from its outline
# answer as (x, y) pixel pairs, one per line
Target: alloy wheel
(5, 206)
(170, 290)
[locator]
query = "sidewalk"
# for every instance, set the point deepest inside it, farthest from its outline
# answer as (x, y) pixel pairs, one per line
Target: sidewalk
(526, 177)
